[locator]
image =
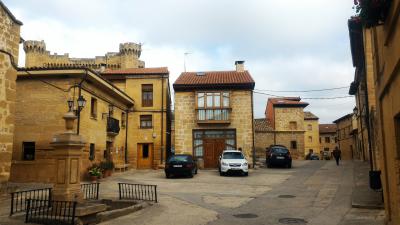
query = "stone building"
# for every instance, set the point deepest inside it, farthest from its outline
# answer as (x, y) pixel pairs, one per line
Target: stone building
(263, 136)
(150, 118)
(214, 112)
(327, 138)
(41, 102)
(311, 135)
(344, 136)
(376, 50)
(128, 55)
(9, 47)
(286, 117)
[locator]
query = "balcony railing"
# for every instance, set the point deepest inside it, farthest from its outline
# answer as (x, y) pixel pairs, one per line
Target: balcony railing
(112, 126)
(221, 115)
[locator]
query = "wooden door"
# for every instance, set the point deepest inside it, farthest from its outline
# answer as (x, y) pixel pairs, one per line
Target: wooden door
(212, 150)
(145, 156)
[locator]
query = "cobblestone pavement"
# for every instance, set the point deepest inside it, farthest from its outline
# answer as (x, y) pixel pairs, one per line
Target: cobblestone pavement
(313, 192)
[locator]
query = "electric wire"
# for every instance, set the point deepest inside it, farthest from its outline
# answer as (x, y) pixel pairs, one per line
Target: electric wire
(315, 90)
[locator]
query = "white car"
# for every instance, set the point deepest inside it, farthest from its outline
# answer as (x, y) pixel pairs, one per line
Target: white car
(233, 161)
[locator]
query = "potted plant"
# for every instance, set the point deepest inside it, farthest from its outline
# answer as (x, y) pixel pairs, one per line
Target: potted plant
(94, 173)
(107, 167)
(372, 12)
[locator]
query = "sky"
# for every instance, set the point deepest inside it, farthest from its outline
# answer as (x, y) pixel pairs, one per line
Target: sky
(287, 45)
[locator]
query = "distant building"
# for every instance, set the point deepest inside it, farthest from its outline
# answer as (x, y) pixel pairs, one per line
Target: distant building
(311, 135)
(344, 136)
(283, 125)
(214, 112)
(328, 138)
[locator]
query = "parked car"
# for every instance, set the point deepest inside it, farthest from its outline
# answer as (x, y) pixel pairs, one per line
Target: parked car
(278, 155)
(326, 155)
(180, 165)
(314, 157)
(233, 161)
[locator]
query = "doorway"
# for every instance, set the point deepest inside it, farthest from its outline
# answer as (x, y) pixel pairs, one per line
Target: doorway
(212, 150)
(145, 156)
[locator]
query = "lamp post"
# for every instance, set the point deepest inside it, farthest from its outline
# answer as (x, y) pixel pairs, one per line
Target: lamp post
(81, 101)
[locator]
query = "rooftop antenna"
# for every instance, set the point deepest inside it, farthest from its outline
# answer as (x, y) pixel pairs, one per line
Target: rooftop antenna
(184, 60)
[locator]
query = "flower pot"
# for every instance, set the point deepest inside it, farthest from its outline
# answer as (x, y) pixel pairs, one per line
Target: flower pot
(108, 172)
(93, 178)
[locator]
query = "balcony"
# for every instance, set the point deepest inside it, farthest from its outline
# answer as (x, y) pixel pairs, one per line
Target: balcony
(213, 116)
(112, 126)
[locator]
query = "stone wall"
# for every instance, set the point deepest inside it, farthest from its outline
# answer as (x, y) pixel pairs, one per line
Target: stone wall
(285, 115)
(39, 111)
(262, 141)
(9, 41)
(240, 118)
(127, 57)
(313, 142)
(345, 140)
(328, 145)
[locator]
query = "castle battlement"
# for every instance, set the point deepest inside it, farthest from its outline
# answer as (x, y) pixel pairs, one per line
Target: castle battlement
(127, 57)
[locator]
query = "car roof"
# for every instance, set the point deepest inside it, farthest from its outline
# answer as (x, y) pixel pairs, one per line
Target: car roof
(231, 151)
(181, 155)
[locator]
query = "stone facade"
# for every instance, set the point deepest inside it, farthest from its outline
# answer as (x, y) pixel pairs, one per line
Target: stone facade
(159, 134)
(344, 136)
(311, 136)
(9, 42)
(328, 138)
(240, 120)
(41, 105)
(127, 57)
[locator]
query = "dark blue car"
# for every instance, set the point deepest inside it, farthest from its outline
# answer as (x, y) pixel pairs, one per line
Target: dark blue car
(180, 165)
(278, 155)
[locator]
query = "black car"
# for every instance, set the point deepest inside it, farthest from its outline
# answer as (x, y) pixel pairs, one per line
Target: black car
(180, 165)
(278, 155)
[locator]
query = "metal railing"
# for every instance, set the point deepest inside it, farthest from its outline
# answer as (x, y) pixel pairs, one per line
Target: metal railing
(18, 198)
(50, 212)
(138, 192)
(90, 191)
(113, 125)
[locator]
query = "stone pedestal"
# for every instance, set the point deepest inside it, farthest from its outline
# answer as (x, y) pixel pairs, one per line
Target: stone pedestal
(67, 154)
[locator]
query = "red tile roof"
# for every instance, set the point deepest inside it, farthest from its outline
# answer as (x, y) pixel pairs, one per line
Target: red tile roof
(310, 116)
(215, 79)
(154, 70)
(288, 101)
(327, 128)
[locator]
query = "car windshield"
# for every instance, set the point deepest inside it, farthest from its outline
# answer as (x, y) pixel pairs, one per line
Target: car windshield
(179, 158)
(233, 155)
(280, 150)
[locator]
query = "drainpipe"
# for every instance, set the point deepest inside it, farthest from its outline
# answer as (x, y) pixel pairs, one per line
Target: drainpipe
(126, 135)
(368, 121)
(361, 125)
(162, 119)
(79, 112)
(253, 133)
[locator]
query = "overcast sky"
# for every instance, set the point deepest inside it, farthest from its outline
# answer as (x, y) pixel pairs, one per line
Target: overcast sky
(287, 45)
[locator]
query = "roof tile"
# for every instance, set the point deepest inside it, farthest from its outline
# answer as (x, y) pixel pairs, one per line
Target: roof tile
(327, 128)
(154, 70)
(214, 77)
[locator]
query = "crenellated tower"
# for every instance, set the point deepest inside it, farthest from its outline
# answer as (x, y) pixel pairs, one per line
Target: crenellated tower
(130, 53)
(35, 53)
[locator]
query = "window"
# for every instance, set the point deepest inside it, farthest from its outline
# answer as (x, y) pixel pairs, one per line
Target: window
(93, 108)
(146, 121)
(123, 120)
(293, 144)
(327, 140)
(213, 106)
(28, 149)
(309, 138)
(326, 149)
(293, 125)
(309, 127)
(92, 151)
(199, 135)
(147, 95)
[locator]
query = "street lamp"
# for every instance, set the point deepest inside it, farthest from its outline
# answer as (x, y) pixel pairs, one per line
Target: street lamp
(81, 102)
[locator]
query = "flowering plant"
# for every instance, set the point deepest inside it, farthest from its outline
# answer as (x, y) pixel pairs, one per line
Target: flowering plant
(95, 171)
(372, 12)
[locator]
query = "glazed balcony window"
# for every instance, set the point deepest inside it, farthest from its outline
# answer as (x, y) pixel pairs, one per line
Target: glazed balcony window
(213, 107)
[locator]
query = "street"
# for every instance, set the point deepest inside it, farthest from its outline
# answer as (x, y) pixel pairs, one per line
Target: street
(312, 192)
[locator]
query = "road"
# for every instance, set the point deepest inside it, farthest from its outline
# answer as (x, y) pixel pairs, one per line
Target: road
(312, 192)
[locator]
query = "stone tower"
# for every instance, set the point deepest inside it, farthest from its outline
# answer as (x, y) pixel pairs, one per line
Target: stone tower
(35, 51)
(130, 53)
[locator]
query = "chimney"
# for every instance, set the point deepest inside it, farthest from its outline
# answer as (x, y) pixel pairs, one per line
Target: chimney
(102, 67)
(239, 66)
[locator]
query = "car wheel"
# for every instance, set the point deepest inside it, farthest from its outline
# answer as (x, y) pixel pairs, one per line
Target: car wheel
(221, 173)
(191, 174)
(195, 172)
(167, 175)
(289, 165)
(246, 174)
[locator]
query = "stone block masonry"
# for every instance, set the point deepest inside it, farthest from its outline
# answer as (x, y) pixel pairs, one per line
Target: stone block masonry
(9, 42)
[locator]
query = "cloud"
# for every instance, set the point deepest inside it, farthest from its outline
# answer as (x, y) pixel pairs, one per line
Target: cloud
(287, 45)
